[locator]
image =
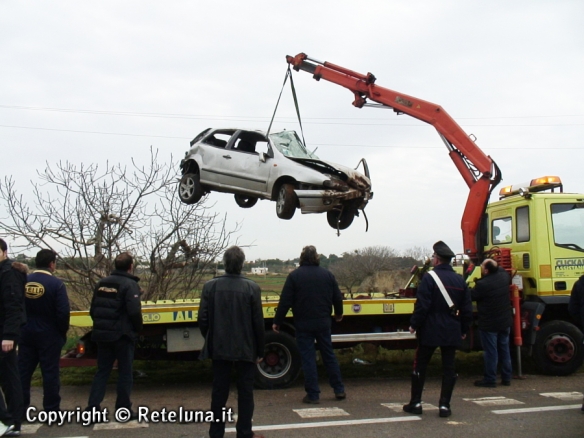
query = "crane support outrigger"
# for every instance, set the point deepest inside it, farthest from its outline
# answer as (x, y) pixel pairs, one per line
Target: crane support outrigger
(478, 170)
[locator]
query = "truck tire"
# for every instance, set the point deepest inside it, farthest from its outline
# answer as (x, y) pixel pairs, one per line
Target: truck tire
(190, 190)
(281, 364)
(558, 349)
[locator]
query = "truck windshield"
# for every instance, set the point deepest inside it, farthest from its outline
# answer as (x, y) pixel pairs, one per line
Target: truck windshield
(290, 145)
(568, 224)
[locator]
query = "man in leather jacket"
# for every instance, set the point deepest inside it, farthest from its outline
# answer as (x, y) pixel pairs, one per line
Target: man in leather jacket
(117, 318)
(495, 317)
(12, 318)
(231, 320)
(576, 305)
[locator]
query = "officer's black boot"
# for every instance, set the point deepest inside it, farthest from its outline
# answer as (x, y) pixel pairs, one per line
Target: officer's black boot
(415, 404)
(446, 394)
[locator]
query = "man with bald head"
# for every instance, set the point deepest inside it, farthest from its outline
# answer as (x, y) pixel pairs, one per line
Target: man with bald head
(495, 317)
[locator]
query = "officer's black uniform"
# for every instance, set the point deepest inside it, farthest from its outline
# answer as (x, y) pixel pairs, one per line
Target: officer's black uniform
(43, 336)
(437, 326)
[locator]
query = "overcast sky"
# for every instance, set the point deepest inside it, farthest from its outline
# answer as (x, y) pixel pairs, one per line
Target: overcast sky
(94, 81)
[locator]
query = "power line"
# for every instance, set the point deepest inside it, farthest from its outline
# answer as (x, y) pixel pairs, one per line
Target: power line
(311, 144)
(218, 117)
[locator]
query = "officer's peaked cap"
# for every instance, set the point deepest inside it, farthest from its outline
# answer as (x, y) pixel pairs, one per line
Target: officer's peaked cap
(442, 250)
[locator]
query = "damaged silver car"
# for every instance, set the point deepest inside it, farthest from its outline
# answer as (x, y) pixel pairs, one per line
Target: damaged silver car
(278, 168)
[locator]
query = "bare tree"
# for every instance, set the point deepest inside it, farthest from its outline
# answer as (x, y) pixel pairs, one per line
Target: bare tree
(418, 253)
(88, 215)
(355, 267)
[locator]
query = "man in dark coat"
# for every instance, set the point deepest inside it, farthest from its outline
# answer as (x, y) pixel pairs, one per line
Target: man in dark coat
(495, 318)
(576, 305)
(12, 318)
(232, 321)
(439, 325)
(45, 332)
(117, 318)
(312, 292)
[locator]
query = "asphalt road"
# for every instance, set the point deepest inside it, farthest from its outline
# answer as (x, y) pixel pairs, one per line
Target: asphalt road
(538, 406)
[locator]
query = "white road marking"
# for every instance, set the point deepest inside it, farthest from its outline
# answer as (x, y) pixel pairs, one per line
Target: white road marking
(563, 395)
(320, 412)
(494, 401)
(398, 407)
(542, 409)
(330, 423)
(114, 425)
(29, 429)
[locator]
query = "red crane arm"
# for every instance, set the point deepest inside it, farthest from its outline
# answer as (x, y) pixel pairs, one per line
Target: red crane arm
(478, 170)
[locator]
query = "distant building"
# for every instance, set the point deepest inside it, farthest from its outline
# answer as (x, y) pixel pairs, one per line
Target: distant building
(259, 271)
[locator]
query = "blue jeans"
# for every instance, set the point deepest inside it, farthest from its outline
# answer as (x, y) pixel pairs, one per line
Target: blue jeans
(305, 340)
(496, 350)
(121, 350)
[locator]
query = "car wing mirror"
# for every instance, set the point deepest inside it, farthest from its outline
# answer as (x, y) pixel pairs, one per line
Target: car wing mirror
(263, 157)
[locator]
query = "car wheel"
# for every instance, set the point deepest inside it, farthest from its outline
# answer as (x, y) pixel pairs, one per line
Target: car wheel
(190, 190)
(281, 364)
(245, 201)
(558, 348)
(343, 218)
(286, 202)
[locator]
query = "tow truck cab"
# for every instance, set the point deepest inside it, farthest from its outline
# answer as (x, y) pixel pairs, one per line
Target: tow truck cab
(544, 229)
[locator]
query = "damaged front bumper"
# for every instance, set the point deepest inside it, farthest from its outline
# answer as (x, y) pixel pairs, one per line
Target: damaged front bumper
(319, 201)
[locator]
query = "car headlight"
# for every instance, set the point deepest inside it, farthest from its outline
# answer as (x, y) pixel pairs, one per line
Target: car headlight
(336, 184)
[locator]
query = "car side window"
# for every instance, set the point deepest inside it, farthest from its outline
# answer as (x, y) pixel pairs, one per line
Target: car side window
(243, 145)
(218, 140)
(262, 146)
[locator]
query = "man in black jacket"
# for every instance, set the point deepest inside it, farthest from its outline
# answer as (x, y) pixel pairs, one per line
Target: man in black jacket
(45, 332)
(437, 324)
(117, 318)
(576, 305)
(232, 321)
(495, 317)
(12, 318)
(312, 292)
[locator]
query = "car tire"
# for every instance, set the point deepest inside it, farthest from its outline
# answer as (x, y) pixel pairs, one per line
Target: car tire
(558, 348)
(281, 365)
(190, 190)
(245, 201)
(286, 202)
(343, 218)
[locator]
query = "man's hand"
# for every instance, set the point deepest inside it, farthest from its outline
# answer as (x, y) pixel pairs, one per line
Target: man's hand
(259, 359)
(7, 346)
(464, 336)
(276, 328)
(338, 318)
(412, 330)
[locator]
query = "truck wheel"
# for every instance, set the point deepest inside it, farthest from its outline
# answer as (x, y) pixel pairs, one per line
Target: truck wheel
(286, 202)
(281, 364)
(344, 219)
(245, 201)
(190, 190)
(558, 348)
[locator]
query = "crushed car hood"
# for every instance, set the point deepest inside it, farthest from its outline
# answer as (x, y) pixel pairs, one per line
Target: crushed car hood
(353, 177)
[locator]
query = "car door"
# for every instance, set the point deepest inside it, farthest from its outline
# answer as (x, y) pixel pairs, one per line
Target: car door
(245, 169)
(213, 150)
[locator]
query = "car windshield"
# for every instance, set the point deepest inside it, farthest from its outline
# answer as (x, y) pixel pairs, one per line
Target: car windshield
(290, 145)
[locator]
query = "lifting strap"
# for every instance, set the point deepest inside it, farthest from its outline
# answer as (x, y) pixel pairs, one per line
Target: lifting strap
(288, 74)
